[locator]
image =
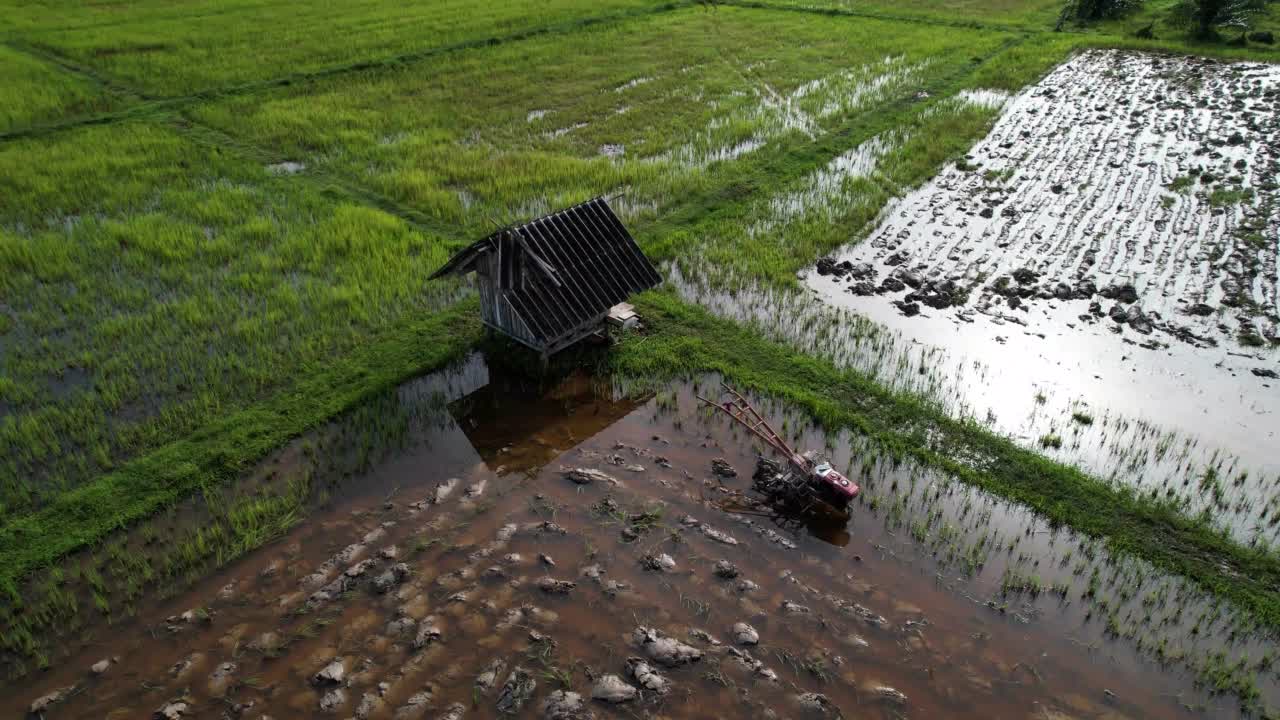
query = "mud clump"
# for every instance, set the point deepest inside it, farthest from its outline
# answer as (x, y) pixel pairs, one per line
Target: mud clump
(516, 691)
(937, 295)
(793, 608)
(744, 634)
(395, 575)
(726, 570)
(612, 689)
(892, 285)
(488, 677)
(658, 563)
(721, 468)
(828, 267)
(552, 586)
(887, 694)
(565, 705)
(1125, 293)
(818, 705)
(44, 702)
(333, 699)
(172, 710)
(663, 650)
(587, 476)
(428, 632)
(909, 309)
(1025, 276)
(332, 674)
(646, 677)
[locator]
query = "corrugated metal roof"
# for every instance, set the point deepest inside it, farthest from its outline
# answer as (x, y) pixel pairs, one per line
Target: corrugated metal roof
(577, 263)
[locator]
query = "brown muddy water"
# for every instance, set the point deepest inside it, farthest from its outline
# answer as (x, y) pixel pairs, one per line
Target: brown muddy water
(468, 577)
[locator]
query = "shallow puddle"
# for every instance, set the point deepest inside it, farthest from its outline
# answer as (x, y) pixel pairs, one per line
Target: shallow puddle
(469, 574)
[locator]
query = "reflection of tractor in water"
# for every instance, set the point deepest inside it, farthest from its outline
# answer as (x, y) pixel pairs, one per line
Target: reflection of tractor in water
(806, 484)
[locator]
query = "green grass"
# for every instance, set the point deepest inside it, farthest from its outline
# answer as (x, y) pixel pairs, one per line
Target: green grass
(684, 340)
(153, 284)
(33, 91)
(232, 511)
(1171, 37)
(224, 446)
(1022, 13)
(479, 135)
(214, 44)
(810, 213)
(171, 310)
(1225, 197)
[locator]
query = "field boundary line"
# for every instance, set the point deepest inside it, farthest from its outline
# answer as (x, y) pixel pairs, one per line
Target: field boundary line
(152, 104)
(71, 66)
(327, 182)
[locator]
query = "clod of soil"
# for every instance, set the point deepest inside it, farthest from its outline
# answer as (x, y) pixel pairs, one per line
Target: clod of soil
(612, 689)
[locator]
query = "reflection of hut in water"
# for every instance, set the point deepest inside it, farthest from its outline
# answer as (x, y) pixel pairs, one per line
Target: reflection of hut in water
(554, 281)
(517, 425)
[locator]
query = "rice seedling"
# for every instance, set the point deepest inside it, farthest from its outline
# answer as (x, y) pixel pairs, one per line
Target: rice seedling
(35, 91)
(243, 42)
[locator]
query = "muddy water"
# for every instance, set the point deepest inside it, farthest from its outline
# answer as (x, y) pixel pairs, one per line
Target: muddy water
(876, 622)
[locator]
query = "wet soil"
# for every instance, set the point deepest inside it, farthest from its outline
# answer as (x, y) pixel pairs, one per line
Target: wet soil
(470, 576)
(1113, 240)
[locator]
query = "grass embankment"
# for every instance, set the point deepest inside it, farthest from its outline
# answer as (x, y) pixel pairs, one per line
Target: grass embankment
(684, 339)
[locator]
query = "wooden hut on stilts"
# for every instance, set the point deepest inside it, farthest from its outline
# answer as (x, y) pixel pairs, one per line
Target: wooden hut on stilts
(556, 280)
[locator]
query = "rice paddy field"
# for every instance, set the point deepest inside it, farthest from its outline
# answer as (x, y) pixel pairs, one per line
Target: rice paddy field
(252, 462)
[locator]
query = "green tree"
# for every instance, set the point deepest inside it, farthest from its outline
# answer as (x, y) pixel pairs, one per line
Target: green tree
(1206, 17)
(1087, 11)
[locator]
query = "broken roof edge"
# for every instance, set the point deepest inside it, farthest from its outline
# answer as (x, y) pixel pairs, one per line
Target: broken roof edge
(462, 261)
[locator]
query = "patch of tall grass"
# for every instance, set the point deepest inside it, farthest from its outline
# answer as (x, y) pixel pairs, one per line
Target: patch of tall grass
(33, 91)
(212, 44)
(506, 132)
(154, 284)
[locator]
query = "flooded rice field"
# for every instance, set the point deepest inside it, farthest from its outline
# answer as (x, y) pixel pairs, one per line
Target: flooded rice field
(581, 549)
(1115, 235)
(1096, 279)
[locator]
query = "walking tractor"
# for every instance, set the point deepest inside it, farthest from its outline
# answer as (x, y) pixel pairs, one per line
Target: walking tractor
(805, 483)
